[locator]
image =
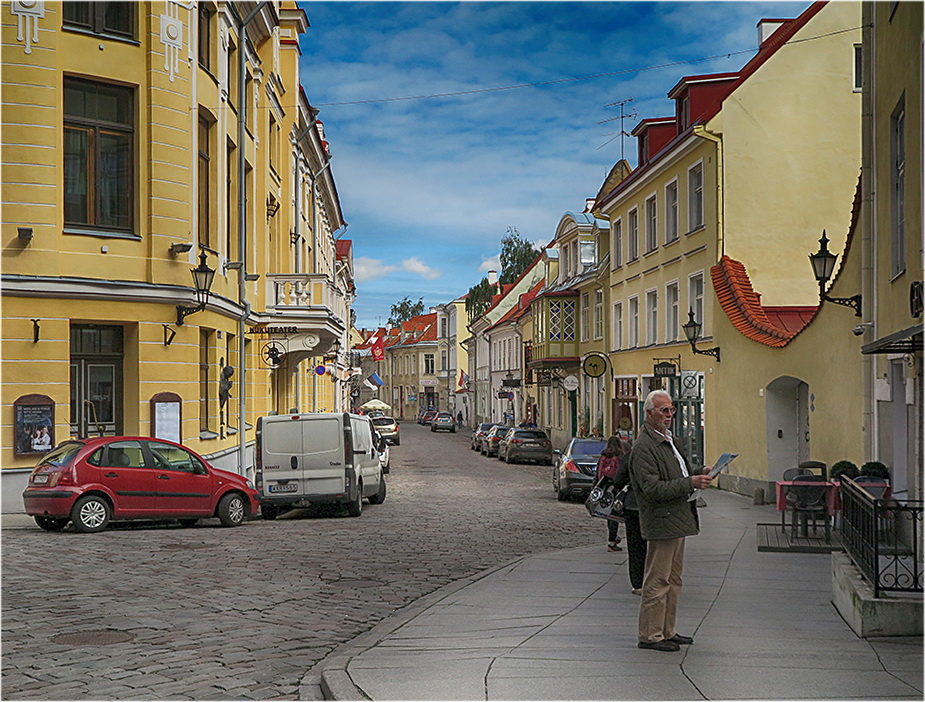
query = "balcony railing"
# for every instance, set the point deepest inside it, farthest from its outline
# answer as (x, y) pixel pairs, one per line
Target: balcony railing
(882, 538)
(295, 292)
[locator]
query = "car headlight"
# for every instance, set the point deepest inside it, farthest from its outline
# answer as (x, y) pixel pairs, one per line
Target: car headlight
(250, 484)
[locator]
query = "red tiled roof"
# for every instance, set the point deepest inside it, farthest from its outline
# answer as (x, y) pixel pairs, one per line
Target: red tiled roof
(772, 326)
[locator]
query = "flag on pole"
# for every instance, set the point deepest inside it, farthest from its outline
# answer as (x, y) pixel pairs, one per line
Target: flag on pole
(368, 383)
(378, 349)
(374, 378)
(463, 378)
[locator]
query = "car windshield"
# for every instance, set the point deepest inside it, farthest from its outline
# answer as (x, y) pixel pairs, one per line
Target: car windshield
(531, 434)
(587, 448)
(485, 427)
(61, 455)
(444, 415)
(383, 421)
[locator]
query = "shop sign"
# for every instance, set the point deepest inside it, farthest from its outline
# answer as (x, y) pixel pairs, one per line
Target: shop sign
(664, 369)
(33, 425)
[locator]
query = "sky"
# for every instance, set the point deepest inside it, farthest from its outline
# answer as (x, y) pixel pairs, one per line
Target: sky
(429, 186)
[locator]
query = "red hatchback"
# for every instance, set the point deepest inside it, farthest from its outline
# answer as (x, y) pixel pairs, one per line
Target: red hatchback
(92, 481)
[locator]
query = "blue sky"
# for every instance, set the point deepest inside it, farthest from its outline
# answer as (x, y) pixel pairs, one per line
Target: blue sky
(430, 186)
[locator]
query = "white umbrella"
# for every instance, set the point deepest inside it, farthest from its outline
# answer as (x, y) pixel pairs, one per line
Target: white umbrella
(375, 403)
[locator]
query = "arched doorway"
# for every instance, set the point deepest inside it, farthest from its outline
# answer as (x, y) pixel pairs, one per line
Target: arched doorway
(787, 416)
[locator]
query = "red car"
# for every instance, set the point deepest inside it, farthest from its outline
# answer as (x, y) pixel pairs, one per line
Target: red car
(91, 482)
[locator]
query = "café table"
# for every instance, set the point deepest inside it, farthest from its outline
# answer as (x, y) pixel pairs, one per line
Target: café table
(832, 497)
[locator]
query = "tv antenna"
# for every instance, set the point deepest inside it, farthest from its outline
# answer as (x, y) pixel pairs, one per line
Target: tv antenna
(623, 116)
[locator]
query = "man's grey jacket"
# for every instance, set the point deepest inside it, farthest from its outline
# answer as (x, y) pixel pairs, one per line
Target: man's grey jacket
(662, 491)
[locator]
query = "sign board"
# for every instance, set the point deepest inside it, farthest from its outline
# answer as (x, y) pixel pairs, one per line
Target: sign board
(166, 416)
(33, 425)
(570, 383)
(665, 370)
(511, 383)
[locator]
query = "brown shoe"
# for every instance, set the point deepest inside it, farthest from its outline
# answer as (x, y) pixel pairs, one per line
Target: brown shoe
(660, 645)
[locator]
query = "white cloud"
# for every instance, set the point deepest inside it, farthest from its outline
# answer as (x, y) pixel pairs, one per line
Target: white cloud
(418, 267)
(366, 269)
(491, 264)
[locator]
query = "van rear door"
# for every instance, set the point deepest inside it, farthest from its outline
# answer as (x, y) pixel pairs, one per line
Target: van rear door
(323, 455)
(280, 446)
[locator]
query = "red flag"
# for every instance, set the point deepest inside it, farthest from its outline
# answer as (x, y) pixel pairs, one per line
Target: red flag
(378, 349)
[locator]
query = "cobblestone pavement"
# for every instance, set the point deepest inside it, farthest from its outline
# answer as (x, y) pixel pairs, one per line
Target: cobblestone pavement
(164, 612)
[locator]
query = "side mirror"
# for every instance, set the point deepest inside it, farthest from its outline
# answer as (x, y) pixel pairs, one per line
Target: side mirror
(382, 444)
(557, 452)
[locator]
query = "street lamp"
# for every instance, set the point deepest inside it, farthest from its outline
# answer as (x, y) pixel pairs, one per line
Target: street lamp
(692, 332)
(202, 280)
(823, 263)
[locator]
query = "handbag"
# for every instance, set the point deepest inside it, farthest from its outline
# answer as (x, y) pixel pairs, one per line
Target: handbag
(606, 501)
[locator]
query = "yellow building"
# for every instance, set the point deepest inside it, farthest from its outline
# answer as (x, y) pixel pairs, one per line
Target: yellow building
(410, 368)
(140, 144)
(730, 194)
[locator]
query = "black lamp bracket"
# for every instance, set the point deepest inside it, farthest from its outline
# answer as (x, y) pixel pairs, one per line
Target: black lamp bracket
(706, 352)
(854, 302)
(183, 312)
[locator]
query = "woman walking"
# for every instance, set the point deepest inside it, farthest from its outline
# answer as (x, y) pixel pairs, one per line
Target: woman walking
(634, 541)
(607, 466)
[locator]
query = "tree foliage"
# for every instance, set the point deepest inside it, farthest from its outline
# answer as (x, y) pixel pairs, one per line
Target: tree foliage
(516, 255)
(405, 309)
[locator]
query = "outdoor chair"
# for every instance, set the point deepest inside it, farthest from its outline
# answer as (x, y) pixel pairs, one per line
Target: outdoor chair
(877, 487)
(809, 500)
(790, 474)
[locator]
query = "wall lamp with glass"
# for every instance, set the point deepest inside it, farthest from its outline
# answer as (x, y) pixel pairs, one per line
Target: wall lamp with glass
(692, 332)
(202, 280)
(823, 263)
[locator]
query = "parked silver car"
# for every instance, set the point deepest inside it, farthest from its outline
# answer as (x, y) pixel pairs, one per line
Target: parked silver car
(388, 429)
(479, 434)
(525, 444)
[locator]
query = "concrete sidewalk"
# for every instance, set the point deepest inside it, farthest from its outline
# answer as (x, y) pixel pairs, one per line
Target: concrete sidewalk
(562, 626)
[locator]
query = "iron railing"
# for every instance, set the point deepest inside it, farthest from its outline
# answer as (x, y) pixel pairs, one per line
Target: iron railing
(882, 538)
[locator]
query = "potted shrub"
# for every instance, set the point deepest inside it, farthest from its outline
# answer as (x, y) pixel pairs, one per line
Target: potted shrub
(875, 469)
(843, 468)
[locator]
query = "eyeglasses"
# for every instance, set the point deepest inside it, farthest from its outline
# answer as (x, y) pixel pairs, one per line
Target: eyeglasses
(664, 410)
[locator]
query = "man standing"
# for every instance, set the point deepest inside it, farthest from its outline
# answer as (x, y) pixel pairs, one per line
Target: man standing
(666, 491)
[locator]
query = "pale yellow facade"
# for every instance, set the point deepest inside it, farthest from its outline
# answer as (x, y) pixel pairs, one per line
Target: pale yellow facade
(90, 304)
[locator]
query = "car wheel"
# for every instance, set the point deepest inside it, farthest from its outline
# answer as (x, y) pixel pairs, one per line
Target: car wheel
(188, 522)
(452, 431)
(355, 508)
(269, 512)
(379, 497)
(398, 442)
(501, 457)
(52, 523)
(90, 514)
(231, 511)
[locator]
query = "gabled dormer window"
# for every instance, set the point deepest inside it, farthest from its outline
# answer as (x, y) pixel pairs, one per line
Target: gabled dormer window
(643, 148)
(684, 113)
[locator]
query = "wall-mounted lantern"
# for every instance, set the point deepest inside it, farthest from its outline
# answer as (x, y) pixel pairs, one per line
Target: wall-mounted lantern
(202, 280)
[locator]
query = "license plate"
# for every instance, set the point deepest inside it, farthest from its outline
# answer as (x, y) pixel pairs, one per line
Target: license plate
(530, 445)
(288, 487)
(40, 479)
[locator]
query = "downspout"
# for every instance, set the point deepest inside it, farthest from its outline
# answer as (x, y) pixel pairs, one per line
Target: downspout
(314, 177)
(701, 131)
(523, 375)
(242, 235)
(868, 224)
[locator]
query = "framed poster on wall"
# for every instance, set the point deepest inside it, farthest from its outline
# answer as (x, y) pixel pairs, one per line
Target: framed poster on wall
(33, 425)
(166, 416)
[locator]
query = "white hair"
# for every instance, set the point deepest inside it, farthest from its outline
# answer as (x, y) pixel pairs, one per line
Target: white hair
(650, 399)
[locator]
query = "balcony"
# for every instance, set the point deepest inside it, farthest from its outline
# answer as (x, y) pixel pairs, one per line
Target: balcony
(294, 292)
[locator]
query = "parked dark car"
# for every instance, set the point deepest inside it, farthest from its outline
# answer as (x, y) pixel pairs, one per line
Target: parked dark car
(443, 421)
(573, 475)
(388, 429)
(479, 434)
(520, 444)
(91, 482)
(492, 439)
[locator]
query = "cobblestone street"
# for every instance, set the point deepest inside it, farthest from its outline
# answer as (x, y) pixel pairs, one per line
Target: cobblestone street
(165, 612)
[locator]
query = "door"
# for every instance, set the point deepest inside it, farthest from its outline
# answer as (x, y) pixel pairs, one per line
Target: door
(184, 485)
(124, 471)
(96, 380)
(365, 455)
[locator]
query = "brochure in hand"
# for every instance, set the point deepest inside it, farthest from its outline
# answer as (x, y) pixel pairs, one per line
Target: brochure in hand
(722, 463)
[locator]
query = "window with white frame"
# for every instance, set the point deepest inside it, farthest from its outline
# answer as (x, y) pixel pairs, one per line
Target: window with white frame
(695, 296)
(695, 197)
(443, 360)
(564, 264)
(651, 317)
(585, 317)
(671, 212)
(599, 314)
(632, 234)
(428, 364)
(633, 331)
(651, 224)
(858, 68)
(617, 249)
(588, 253)
(617, 326)
(671, 312)
(576, 261)
(898, 187)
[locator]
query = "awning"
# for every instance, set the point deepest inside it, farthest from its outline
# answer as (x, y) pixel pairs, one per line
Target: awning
(905, 341)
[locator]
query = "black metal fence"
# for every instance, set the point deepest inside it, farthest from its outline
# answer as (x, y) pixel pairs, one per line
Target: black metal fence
(882, 537)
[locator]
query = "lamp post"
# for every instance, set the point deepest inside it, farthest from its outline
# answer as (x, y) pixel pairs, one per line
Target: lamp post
(823, 263)
(202, 280)
(692, 332)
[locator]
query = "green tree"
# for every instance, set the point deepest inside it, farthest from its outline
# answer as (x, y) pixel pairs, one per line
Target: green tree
(516, 255)
(404, 310)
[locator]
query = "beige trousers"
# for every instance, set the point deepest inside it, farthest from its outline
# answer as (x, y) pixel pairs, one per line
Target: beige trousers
(661, 589)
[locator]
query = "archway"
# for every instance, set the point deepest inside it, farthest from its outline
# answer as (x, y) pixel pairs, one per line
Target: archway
(787, 417)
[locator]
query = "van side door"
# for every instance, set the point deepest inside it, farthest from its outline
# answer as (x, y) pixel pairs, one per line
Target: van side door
(365, 454)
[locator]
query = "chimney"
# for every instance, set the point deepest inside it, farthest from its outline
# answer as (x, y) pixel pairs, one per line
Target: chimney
(767, 27)
(492, 277)
(589, 203)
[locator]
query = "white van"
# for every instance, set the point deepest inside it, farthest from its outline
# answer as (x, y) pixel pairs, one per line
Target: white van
(317, 458)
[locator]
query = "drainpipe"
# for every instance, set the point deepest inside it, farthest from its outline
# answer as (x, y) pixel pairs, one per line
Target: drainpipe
(298, 201)
(242, 234)
(868, 224)
(701, 131)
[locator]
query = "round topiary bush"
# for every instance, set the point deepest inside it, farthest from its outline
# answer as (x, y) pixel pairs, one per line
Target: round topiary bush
(843, 468)
(875, 469)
